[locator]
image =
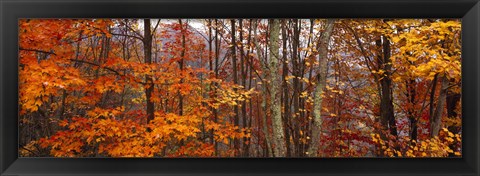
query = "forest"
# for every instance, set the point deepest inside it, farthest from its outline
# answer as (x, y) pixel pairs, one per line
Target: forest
(240, 88)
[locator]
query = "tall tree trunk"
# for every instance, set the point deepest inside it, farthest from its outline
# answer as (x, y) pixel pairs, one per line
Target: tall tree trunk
(236, 141)
(217, 51)
(147, 50)
(181, 65)
(387, 115)
(249, 60)
(286, 100)
(277, 124)
(210, 62)
(437, 114)
(432, 99)
(296, 88)
(243, 71)
(411, 93)
(321, 79)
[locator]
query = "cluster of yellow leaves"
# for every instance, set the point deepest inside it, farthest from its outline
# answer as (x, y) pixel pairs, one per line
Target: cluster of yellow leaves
(225, 131)
(230, 95)
(420, 47)
(438, 146)
(306, 80)
(452, 122)
(426, 47)
(334, 90)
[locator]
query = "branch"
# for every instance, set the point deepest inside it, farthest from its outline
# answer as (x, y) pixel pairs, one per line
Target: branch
(23, 147)
(200, 33)
(134, 31)
(155, 29)
(126, 35)
(360, 45)
(112, 70)
(451, 85)
(36, 50)
(98, 65)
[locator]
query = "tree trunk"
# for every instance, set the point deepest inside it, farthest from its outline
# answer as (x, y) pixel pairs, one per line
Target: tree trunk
(437, 114)
(210, 62)
(411, 93)
(236, 141)
(321, 79)
(181, 65)
(278, 133)
(243, 71)
(147, 50)
(296, 88)
(432, 98)
(217, 51)
(387, 115)
(286, 100)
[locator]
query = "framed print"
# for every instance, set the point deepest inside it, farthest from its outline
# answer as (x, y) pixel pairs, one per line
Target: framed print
(239, 87)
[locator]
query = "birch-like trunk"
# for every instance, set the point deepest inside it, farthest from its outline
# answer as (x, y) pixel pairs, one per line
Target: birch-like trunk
(321, 83)
(275, 88)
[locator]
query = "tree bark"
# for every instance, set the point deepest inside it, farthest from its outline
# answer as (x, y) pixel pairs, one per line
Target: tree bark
(217, 51)
(243, 71)
(437, 114)
(236, 141)
(320, 85)
(387, 115)
(286, 100)
(432, 98)
(296, 88)
(181, 65)
(275, 109)
(147, 50)
(411, 93)
(210, 62)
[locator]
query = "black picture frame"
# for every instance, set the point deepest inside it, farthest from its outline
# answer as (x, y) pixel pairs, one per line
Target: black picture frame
(12, 10)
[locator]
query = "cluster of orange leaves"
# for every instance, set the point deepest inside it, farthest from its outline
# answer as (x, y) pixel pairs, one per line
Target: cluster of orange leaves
(103, 133)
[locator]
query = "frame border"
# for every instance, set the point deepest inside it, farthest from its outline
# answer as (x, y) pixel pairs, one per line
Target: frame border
(12, 10)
